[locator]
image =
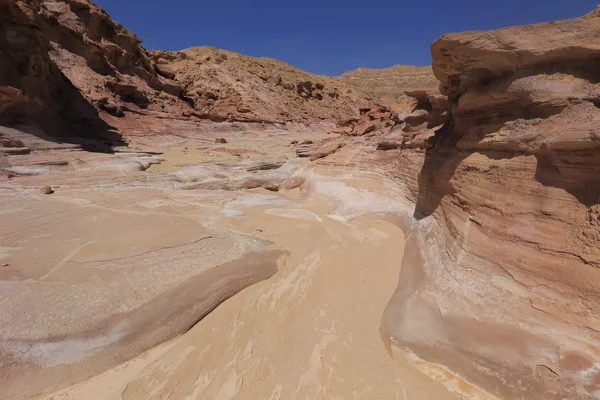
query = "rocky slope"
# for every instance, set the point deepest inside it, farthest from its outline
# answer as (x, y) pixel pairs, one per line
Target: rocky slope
(498, 283)
(225, 85)
(74, 73)
(388, 84)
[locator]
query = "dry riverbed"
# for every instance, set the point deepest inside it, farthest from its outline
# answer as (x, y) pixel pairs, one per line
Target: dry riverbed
(121, 262)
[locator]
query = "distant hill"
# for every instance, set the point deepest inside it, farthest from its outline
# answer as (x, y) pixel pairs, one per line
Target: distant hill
(225, 84)
(388, 84)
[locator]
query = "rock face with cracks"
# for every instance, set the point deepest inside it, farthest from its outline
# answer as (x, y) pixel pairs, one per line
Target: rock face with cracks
(503, 290)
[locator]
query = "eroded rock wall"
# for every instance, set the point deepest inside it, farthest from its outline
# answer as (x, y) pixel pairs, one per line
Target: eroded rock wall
(32, 87)
(65, 60)
(503, 288)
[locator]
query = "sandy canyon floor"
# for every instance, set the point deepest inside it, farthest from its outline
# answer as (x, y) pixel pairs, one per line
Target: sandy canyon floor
(173, 269)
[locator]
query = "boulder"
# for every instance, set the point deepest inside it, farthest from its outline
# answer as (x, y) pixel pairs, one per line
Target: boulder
(326, 150)
(46, 190)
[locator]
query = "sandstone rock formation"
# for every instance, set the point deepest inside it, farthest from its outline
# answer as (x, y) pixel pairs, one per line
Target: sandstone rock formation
(32, 88)
(499, 281)
(229, 86)
(419, 116)
(64, 60)
(111, 265)
(388, 84)
(319, 150)
(372, 121)
(416, 125)
(72, 71)
(496, 178)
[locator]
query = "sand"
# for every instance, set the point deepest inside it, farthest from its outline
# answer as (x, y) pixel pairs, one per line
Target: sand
(309, 332)
(185, 280)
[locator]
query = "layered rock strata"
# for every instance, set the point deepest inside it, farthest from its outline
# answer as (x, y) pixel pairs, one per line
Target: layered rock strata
(66, 61)
(499, 283)
(389, 84)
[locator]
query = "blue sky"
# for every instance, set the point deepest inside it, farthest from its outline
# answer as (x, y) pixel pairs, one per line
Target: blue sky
(327, 36)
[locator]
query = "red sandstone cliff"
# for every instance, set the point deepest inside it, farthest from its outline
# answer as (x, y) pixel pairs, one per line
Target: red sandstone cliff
(66, 61)
(500, 279)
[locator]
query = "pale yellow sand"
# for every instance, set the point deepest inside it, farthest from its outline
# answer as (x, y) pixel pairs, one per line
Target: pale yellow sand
(309, 332)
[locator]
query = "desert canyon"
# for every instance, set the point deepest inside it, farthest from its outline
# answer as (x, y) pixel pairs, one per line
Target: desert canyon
(201, 224)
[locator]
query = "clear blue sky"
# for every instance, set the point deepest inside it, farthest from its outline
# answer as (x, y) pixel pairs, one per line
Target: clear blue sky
(327, 36)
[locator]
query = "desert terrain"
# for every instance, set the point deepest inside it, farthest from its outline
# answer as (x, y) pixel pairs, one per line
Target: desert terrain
(200, 224)
(147, 254)
(308, 330)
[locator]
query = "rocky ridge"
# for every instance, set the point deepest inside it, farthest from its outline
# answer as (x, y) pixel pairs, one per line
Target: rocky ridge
(224, 85)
